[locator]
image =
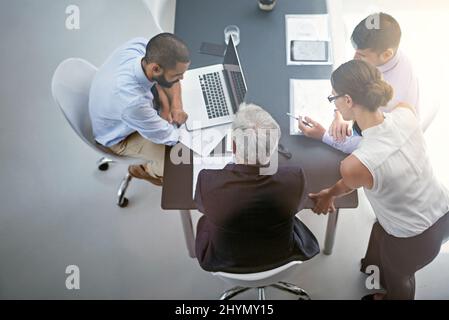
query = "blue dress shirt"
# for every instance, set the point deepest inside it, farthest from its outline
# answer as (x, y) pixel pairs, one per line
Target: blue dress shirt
(121, 101)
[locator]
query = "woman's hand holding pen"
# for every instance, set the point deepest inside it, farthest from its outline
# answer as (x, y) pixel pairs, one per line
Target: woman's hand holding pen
(313, 130)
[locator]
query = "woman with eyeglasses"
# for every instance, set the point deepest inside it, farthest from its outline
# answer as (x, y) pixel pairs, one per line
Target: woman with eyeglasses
(390, 163)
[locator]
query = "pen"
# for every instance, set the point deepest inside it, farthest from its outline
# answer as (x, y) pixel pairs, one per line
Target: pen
(306, 123)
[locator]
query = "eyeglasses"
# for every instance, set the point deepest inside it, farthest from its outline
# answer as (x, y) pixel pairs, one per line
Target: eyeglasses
(332, 98)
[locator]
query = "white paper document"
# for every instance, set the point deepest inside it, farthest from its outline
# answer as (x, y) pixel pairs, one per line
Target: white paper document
(203, 141)
(211, 162)
(309, 98)
(308, 39)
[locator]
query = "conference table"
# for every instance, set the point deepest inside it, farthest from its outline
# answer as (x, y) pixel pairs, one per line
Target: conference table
(263, 58)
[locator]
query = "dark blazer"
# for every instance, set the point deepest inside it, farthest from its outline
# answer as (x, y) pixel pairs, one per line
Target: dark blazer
(249, 222)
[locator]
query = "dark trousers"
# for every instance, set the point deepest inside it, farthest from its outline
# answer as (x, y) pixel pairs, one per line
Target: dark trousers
(399, 258)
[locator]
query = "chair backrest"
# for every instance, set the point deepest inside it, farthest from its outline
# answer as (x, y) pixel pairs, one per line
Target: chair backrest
(259, 279)
(70, 88)
(156, 8)
(162, 12)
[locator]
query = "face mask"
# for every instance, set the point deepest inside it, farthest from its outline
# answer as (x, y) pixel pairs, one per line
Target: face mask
(163, 82)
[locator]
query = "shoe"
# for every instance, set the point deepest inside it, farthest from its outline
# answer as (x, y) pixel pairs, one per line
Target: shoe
(139, 172)
(370, 297)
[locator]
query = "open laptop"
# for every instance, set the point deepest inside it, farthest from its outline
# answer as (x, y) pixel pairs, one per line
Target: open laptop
(212, 95)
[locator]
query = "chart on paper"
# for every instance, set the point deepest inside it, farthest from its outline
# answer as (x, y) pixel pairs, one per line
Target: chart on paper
(309, 98)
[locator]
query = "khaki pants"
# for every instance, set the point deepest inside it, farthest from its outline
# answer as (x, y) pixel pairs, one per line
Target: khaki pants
(136, 146)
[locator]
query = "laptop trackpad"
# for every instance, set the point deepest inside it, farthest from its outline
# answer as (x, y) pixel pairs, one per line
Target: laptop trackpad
(196, 109)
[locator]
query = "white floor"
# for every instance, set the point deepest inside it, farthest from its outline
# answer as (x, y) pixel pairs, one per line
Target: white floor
(56, 209)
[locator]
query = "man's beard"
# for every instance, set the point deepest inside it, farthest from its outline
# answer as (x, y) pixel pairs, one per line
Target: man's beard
(163, 82)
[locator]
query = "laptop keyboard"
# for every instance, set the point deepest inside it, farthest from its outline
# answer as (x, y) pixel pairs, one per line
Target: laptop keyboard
(213, 95)
(237, 79)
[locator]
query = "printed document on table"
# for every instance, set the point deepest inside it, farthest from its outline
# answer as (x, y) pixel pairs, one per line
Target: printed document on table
(203, 141)
(309, 98)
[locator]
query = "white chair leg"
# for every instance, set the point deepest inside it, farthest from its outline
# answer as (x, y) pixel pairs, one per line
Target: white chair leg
(122, 201)
(103, 163)
(291, 288)
(228, 294)
(261, 291)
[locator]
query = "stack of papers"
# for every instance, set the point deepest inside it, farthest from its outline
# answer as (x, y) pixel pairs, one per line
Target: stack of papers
(203, 141)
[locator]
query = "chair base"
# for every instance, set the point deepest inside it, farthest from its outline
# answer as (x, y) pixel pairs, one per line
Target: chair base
(284, 286)
(122, 201)
(103, 163)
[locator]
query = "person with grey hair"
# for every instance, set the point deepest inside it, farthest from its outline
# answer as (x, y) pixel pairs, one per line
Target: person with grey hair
(249, 222)
(256, 134)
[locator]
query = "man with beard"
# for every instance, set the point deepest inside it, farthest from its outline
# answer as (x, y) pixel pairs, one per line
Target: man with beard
(135, 101)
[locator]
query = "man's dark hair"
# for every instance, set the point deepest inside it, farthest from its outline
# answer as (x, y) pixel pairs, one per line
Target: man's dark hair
(377, 32)
(166, 50)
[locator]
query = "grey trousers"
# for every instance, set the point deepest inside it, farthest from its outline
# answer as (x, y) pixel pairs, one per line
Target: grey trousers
(399, 258)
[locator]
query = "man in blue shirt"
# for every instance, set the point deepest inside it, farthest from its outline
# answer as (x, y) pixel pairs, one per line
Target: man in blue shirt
(135, 101)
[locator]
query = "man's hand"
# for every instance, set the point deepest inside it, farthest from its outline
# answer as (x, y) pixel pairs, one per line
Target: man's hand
(324, 202)
(178, 115)
(316, 131)
(340, 128)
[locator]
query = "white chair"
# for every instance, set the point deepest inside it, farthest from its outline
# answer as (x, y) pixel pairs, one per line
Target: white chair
(70, 89)
(163, 13)
(261, 280)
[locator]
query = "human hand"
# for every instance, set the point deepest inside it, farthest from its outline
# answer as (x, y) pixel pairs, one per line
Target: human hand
(324, 202)
(340, 128)
(314, 131)
(179, 116)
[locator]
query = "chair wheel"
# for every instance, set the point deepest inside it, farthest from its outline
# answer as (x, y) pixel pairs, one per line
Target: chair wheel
(123, 203)
(304, 297)
(103, 166)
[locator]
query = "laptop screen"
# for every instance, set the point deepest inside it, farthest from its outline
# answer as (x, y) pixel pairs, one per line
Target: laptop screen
(234, 75)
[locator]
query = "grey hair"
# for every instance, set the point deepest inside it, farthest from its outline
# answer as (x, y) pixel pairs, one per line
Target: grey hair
(256, 135)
